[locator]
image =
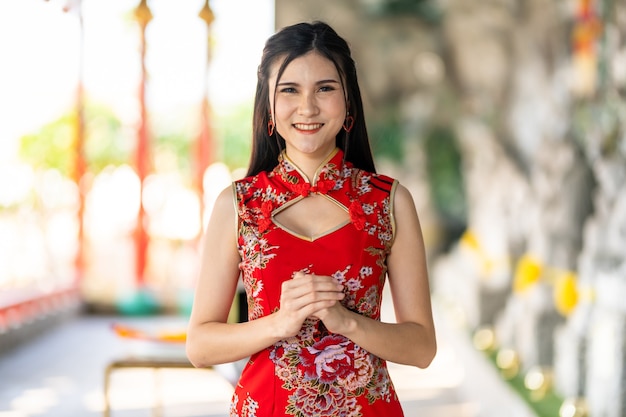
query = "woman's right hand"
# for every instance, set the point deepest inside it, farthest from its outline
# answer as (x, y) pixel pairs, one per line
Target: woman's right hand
(303, 296)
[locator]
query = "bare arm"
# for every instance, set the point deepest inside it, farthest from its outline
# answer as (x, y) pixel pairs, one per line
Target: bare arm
(210, 339)
(411, 340)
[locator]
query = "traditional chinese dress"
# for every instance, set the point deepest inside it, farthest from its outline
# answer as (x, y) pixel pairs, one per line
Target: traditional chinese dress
(316, 373)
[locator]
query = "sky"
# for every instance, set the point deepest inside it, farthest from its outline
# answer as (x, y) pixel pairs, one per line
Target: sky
(40, 59)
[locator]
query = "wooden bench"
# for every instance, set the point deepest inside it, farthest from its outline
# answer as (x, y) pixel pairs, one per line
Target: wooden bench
(141, 362)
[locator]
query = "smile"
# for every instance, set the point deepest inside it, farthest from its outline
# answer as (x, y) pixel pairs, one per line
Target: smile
(302, 126)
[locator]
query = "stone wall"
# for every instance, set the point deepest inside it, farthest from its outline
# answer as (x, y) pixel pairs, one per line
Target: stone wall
(556, 107)
(535, 95)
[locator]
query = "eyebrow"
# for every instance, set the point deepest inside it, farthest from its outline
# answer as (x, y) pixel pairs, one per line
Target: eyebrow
(329, 81)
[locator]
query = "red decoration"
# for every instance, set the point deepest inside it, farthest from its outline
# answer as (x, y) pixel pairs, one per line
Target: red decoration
(357, 215)
(265, 220)
(321, 187)
(587, 28)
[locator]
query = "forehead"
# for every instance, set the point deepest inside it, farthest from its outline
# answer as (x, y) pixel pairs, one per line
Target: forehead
(309, 64)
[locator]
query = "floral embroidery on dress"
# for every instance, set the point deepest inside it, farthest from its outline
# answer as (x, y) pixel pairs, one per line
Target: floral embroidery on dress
(233, 406)
(327, 370)
(328, 375)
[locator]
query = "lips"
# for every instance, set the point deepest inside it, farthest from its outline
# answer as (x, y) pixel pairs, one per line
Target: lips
(308, 126)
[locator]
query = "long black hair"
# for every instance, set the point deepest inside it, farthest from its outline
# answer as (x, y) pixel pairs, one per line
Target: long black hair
(288, 44)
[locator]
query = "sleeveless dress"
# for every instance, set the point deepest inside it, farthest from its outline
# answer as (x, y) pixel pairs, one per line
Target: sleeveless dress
(316, 373)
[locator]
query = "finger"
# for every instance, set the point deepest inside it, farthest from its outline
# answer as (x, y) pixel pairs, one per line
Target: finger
(297, 299)
(298, 275)
(316, 282)
(314, 309)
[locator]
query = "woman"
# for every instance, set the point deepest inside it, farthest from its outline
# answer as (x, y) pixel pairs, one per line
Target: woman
(314, 233)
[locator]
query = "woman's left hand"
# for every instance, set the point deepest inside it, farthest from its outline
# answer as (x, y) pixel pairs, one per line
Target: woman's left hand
(337, 318)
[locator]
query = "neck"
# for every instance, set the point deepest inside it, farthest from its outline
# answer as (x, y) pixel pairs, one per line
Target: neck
(309, 164)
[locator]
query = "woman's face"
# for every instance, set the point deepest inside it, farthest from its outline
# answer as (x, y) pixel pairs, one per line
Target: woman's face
(310, 106)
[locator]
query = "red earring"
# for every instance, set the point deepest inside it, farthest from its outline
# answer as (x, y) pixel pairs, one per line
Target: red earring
(270, 126)
(348, 124)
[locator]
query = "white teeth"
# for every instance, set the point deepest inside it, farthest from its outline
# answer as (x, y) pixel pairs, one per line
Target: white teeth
(308, 127)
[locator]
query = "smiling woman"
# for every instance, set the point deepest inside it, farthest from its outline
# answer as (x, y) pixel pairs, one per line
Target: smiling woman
(318, 233)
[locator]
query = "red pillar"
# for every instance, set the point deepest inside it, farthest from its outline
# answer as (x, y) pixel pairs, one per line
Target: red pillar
(204, 141)
(80, 165)
(142, 156)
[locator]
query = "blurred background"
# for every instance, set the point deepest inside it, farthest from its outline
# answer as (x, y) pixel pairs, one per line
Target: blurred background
(120, 121)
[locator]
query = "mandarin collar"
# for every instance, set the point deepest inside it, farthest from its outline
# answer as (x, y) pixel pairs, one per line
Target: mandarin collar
(325, 178)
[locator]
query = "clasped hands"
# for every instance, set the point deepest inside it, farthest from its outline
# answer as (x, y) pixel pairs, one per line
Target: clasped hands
(310, 295)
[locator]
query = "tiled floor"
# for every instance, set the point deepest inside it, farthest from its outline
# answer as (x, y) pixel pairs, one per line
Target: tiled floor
(61, 373)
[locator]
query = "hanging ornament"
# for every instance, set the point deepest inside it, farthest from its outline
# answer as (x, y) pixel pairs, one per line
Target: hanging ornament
(586, 31)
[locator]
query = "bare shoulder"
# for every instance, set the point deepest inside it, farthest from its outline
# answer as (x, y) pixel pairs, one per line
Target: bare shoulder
(223, 215)
(225, 202)
(407, 224)
(403, 201)
(220, 235)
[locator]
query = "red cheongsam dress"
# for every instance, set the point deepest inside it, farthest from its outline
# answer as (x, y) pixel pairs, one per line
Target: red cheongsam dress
(316, 373)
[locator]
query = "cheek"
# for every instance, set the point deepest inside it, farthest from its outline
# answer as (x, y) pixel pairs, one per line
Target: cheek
(336, 103)
(338, 109)
(282, 111)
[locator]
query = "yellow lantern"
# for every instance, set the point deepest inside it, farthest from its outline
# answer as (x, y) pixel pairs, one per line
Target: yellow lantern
(527, 273)
(565, 293)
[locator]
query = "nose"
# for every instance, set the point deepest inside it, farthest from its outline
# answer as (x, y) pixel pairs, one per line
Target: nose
(308, 105)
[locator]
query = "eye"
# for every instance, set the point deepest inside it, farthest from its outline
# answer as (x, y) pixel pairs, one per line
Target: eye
(326, 88)
(288, 90)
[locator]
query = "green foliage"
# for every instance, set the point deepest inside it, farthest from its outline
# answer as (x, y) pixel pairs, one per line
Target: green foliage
(107, 142)
(443, 165)
(386, 137)
(51, 146)
(173, 151)
(548, 406)
(427, 10)
(234, 132)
